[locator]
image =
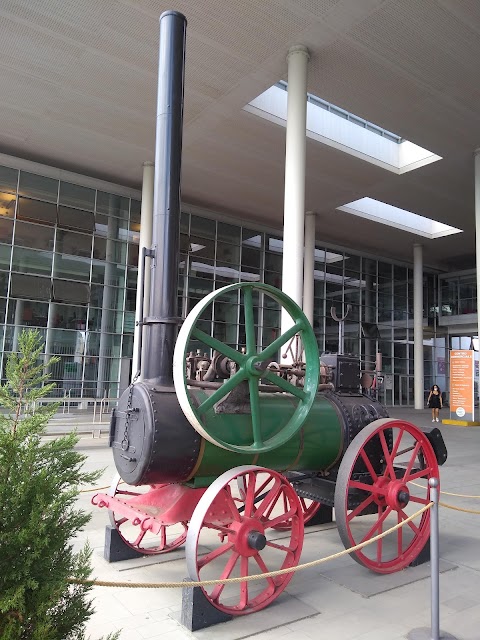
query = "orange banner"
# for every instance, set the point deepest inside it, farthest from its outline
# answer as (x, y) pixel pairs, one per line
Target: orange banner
(462, 363)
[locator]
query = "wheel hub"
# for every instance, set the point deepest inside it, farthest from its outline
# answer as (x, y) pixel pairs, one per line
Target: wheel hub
(248, 536)
(391, 493)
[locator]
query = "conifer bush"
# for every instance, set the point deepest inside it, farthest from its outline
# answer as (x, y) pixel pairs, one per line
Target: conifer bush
(39, 484)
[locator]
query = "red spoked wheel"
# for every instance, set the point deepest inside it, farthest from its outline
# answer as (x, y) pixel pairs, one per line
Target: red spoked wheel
(234, 520)
(170, 536)
(382, 480)
(309, 508)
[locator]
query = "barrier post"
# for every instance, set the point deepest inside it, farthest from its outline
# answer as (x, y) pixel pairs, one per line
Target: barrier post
(434, 632)
(435, 559)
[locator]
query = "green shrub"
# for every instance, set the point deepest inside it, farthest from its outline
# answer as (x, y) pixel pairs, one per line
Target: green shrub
(39, 480)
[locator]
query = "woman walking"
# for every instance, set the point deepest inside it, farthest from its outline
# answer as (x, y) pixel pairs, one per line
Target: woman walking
(435, 402)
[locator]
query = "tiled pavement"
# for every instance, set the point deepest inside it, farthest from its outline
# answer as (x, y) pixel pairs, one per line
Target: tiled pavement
(338, 600)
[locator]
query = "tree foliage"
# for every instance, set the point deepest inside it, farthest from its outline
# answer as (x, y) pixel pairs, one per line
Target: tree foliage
(39, 480)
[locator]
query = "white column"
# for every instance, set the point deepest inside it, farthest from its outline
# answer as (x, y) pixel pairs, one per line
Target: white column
(294, 203)
(418, 325)
(146, 222)
(309, 266)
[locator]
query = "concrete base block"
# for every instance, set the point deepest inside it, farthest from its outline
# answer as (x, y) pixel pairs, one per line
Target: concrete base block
(115, 548)
(197, 612)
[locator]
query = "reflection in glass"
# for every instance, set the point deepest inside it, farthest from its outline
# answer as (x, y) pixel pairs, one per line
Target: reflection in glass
(40, 187)
(33, 236)
(77, 196)
(7, 205)
(36, 211)
(8, 179)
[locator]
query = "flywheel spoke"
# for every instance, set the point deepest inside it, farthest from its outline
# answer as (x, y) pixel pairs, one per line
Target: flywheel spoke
(221, 347)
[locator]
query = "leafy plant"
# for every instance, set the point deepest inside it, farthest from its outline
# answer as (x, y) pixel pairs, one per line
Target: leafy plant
(39, 481)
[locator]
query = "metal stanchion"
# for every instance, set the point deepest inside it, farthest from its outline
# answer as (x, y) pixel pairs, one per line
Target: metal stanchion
(434, 632)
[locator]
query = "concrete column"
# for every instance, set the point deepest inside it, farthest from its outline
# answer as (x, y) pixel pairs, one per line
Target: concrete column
(294, 202)
(309, 266)
(18, 321)
(146, 222)
(418, 325)
(477, 234)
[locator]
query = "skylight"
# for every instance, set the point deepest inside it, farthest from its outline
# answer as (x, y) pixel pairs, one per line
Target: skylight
(337, 128)
(399, 218)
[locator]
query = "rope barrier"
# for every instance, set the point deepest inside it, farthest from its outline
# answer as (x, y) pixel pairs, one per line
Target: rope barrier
(450, 506)
(269, 574)
(447, 493)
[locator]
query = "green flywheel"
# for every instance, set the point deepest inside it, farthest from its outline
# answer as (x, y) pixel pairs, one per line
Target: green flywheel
(256, 429)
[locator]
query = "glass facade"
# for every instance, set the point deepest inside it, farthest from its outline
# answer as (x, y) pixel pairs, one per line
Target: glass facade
(68, 266)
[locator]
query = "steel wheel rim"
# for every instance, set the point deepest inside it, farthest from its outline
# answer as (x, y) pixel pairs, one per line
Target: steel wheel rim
(386, 493)
(246, 364)
(165, 545)
(232, 553)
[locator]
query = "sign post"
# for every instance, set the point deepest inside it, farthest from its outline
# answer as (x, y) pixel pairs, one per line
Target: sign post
(462, 375)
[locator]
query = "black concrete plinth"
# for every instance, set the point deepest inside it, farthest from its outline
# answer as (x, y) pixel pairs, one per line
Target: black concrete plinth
(423, 556)
(323, 516)
(198, 612)
(115, 548)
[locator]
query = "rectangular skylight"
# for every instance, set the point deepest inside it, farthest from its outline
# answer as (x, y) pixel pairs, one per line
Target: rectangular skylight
(399, 218)
(347, 132)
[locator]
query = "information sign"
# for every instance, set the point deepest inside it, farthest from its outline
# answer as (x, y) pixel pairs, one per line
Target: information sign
(462, 363)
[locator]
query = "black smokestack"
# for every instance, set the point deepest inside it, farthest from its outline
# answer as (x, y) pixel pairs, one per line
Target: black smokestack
(162, 323)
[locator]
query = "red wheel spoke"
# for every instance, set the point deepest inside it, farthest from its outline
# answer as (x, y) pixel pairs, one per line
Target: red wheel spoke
(368, 464)
(271, 524)
(400, 535)
(250, 496)
(139, 538)
(243, 585)
(378, 524)
(360, 508)
(121, 521)
(419, 500)
(380, 542)
(232, 505)
(232, 561)
(124, 492)
(217, 527)
(222, 391)
(163, 537)
(411, 524)
(213, 555)
(261, 563)
(423, 473)
(412, 460)
(355, 484)
(281, 547)
(272, 496)
(386, 455)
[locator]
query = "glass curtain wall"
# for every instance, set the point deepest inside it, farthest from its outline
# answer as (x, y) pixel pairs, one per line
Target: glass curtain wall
(69, 264)
(68, 260)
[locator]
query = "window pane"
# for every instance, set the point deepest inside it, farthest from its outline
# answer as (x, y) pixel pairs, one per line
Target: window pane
(28, 313)
(203, 227)
(112, 205)
(40, 187)
(3, 283)
(228, 253)
(109, 227)
(67, 291)
(35, 211)
(70, 268)
(110, 274)
(75, 219)
(105, 320)
(114, 300)
(33, 236)
(5, 253)
(135, 212)
(133, 255)
(68, 316)
(75, 244)
(8, 179)
(6, 231)
(109, 250)
(7, 205)
(77, 196)
(228, 233)
(32, 287)
(31, 261)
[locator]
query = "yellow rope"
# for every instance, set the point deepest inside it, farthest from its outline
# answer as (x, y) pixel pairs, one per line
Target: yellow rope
(94, 489)
(450, 506)
(447, 493)
(270, 574)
